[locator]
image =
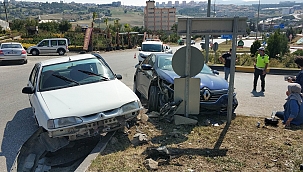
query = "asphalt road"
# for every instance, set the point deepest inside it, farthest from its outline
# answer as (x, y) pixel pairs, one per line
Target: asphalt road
(17, 123)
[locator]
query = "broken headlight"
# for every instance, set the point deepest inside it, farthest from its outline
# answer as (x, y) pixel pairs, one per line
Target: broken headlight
(135, 105)
(63, 122)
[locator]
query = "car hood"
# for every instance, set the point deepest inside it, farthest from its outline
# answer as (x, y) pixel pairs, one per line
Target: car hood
(213, 82)
(86, 99)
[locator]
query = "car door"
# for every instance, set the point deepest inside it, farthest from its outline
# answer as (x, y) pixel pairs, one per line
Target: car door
(44, 46)
(33, 84)
(53, 46)
(144, 77)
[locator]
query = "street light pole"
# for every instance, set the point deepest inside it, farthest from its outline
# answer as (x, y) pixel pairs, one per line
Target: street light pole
(258, 20)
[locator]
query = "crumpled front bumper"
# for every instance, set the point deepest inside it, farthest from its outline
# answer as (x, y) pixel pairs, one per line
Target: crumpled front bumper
(95, 127)
(220, 105)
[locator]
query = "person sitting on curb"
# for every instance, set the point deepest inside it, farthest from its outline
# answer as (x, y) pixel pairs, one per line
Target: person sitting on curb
(293, 108)
(299, 78)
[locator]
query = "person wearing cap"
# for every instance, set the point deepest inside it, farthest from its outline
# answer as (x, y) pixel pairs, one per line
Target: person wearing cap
(293, 108)
(299, 78)
(260, 65)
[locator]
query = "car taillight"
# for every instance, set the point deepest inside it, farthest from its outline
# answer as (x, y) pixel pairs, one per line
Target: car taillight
(1, 52)
(23, 52)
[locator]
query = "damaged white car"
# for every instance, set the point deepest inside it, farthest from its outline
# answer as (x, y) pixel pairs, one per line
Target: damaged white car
(79, 96)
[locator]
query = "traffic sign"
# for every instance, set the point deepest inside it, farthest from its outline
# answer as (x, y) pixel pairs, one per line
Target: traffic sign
(226, 36)
(281, 26)
(196, 61)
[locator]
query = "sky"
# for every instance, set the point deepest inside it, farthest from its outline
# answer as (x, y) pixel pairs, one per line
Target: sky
(143, 2)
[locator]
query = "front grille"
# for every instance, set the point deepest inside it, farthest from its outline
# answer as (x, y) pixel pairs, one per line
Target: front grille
(214, 95)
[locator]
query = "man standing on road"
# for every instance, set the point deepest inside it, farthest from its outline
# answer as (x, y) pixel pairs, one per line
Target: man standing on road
(225, 59)
(260, 65)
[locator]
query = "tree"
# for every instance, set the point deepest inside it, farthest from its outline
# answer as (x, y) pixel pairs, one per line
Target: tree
(277, 45)
(128, 29)
(254, 47)
(65, 26)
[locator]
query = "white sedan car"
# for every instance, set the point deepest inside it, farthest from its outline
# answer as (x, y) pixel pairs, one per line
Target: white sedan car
(13, 51)
(79, 96)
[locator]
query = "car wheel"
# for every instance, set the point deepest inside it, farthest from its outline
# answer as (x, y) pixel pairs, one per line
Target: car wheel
(61, 52)
(153, 99)
(35, 52)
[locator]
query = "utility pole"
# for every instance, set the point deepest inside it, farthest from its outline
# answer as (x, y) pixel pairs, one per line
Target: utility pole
(5, 10)
(258, 20)
(207, 36)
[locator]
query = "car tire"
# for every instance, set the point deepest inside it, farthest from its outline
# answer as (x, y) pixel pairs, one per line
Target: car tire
(61, 52)
(153, 99)
(35, 52)
(25, 61)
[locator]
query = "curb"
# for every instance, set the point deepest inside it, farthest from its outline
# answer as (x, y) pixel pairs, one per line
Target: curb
(95, 152)
(249, 69)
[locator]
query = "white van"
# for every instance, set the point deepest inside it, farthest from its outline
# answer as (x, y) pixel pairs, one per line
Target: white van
(52, 45)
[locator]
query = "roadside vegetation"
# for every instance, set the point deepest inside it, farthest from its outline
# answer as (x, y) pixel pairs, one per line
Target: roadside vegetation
(241, 146)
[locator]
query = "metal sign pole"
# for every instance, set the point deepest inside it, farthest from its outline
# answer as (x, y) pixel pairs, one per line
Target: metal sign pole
(187, 66)
(232, 70)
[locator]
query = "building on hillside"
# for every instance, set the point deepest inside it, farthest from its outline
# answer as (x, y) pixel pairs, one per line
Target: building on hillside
(158, 18)
(4, 25)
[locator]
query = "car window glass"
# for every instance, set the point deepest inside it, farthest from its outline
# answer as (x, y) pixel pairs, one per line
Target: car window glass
(4, 46)
(206, 70)
(34, 75)
(54, 42)
(151, 47)
(165, 62)
(43, 43)
(82, 71)
(61, 42)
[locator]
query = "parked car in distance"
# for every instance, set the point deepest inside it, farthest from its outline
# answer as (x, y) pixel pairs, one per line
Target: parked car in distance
(52, 45)
(12, 51)
(79, 96)
(154, 81)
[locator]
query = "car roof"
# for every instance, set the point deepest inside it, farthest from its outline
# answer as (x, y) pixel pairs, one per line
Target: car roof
(152, 42)
(55, 39)
(67, 59)
(11, 43)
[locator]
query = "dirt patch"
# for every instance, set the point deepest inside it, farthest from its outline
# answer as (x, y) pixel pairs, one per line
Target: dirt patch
(247, 144)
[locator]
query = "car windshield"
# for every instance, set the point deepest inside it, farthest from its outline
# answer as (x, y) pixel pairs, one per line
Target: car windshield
(152, 47)
(73, 73)
(165, 63)
(4, 46)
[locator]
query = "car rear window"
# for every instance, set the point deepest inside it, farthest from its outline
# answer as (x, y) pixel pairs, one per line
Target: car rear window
(4, 46)
(61, 42)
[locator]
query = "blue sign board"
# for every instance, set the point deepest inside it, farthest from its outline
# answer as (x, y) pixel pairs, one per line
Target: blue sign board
(281, 26)
(276, 26)
(226, 36)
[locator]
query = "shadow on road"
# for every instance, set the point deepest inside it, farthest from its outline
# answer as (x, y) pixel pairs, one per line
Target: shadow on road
(16, 132)
(257, 94)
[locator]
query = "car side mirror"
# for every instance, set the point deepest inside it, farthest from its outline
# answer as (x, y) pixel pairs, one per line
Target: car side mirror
(118, 76)
(139, 48)
(146, 67)
(216, 72)
(28, 90)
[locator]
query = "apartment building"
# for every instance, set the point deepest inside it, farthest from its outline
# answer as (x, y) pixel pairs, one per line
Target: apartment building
(158, 18)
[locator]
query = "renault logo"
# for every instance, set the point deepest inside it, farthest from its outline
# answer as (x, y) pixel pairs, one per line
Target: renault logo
(206, 94)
